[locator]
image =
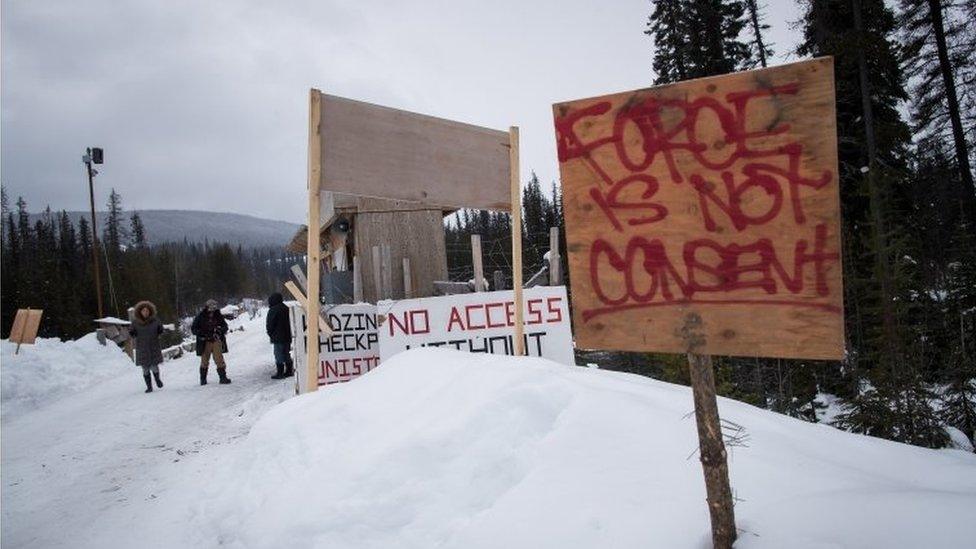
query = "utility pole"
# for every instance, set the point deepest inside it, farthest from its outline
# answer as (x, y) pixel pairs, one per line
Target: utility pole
(94, 156)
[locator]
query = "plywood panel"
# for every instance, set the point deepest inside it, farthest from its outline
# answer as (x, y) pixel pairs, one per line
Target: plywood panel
(375, 151)
(710, 203)
(410, 233)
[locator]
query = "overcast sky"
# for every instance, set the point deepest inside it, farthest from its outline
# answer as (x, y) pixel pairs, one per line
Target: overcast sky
(204, 105)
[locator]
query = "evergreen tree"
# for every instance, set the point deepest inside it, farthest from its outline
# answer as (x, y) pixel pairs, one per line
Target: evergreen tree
(137, 231)
(696, 38)
(761, 49)
(937, 111)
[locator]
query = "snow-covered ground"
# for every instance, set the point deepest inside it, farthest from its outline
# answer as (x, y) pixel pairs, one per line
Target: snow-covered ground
(443, 449)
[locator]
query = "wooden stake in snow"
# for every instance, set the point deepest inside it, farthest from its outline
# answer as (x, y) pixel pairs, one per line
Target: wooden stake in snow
(479, 271)
(711, 447)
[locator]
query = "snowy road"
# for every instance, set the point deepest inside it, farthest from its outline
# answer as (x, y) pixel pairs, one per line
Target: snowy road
(113, 467)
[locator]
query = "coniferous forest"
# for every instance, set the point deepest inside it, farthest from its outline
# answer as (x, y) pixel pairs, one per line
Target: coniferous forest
(47, 265)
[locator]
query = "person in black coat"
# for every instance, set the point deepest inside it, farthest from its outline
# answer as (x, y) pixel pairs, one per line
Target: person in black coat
(211, 330)
(278, 326)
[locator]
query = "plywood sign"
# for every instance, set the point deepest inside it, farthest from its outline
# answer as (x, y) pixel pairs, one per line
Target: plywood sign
(711, 203)
(480, 322)
(26, 323)
(375, 151)
(349, 351)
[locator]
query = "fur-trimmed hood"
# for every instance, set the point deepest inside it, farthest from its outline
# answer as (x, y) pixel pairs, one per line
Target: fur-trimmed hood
(144, 305)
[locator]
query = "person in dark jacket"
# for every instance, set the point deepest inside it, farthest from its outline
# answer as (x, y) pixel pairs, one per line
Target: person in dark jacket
(278, 326)
(146, 330)
(211, 330)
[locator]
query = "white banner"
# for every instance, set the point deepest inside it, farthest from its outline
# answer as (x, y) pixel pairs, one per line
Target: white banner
(479, 323)
(350, 351)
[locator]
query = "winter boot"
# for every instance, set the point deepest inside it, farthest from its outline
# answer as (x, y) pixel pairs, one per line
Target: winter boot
(203, 376)
(159, 380)
(289, 369)
(222, 373)
(280, 373)
(148, 383)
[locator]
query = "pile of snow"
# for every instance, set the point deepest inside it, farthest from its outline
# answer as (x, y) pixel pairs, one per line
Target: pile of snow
(50, 369)
(439, 448)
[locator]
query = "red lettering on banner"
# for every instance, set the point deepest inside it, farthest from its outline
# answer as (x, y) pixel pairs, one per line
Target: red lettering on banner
(455, 319)
(467, 315)
(488, 308)
(412, 322)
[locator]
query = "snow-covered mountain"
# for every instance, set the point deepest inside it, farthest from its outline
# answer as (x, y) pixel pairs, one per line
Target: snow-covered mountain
(434, 448)
(196, 226)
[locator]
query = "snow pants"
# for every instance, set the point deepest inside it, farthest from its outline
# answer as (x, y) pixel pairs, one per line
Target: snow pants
(212, 348)
(147, 369)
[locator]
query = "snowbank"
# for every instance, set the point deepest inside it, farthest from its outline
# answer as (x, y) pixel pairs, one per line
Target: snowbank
(438, 448)
(50, 369)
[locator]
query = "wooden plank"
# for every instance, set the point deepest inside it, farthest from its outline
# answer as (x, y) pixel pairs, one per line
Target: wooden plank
(515, 189)
(387, 269)
(407, 284)
(555, 276)
(717, 197)
(447, 287)
(389, 153)
(299, 274)
(377, 274)
(302, 299)
(314, 246)
(357, 280)
(479, 270)
(498, 281)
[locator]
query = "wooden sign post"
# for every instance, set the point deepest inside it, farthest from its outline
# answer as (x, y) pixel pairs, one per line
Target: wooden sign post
(703, 218)
(24, 330)
(516, 188)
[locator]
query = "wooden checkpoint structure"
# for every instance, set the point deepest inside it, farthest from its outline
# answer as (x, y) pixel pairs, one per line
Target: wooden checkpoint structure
(380, 181)
(703, 217)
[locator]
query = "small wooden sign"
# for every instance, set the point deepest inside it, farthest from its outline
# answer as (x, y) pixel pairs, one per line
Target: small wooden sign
(714, 198)
(24, 330)
(380, 152)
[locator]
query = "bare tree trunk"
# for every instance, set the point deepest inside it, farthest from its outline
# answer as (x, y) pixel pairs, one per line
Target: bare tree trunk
(756, 30)
(878, 233)
(958, 135)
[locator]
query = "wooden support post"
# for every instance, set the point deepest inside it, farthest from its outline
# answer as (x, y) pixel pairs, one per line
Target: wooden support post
(23, 331)
(711, 447)
(498, 281)
(555, 274)
(357, 280)
(407, 281)
(387, 271)
(476, 261)
(314, 248)
(299, 274)
(516, 190)
(377, 275)
(129, 348)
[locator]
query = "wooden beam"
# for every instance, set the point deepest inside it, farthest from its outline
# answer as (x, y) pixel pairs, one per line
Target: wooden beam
(299, 274)
(516, 192)
(387, 271)
(314, 246)
(498, 281)
(555, 274)
(407, 282)
(476, 260)
(302, 300)
(377, 275)
(357, 280)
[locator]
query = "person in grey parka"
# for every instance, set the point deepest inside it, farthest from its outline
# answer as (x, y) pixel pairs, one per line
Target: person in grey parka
(146, 328)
